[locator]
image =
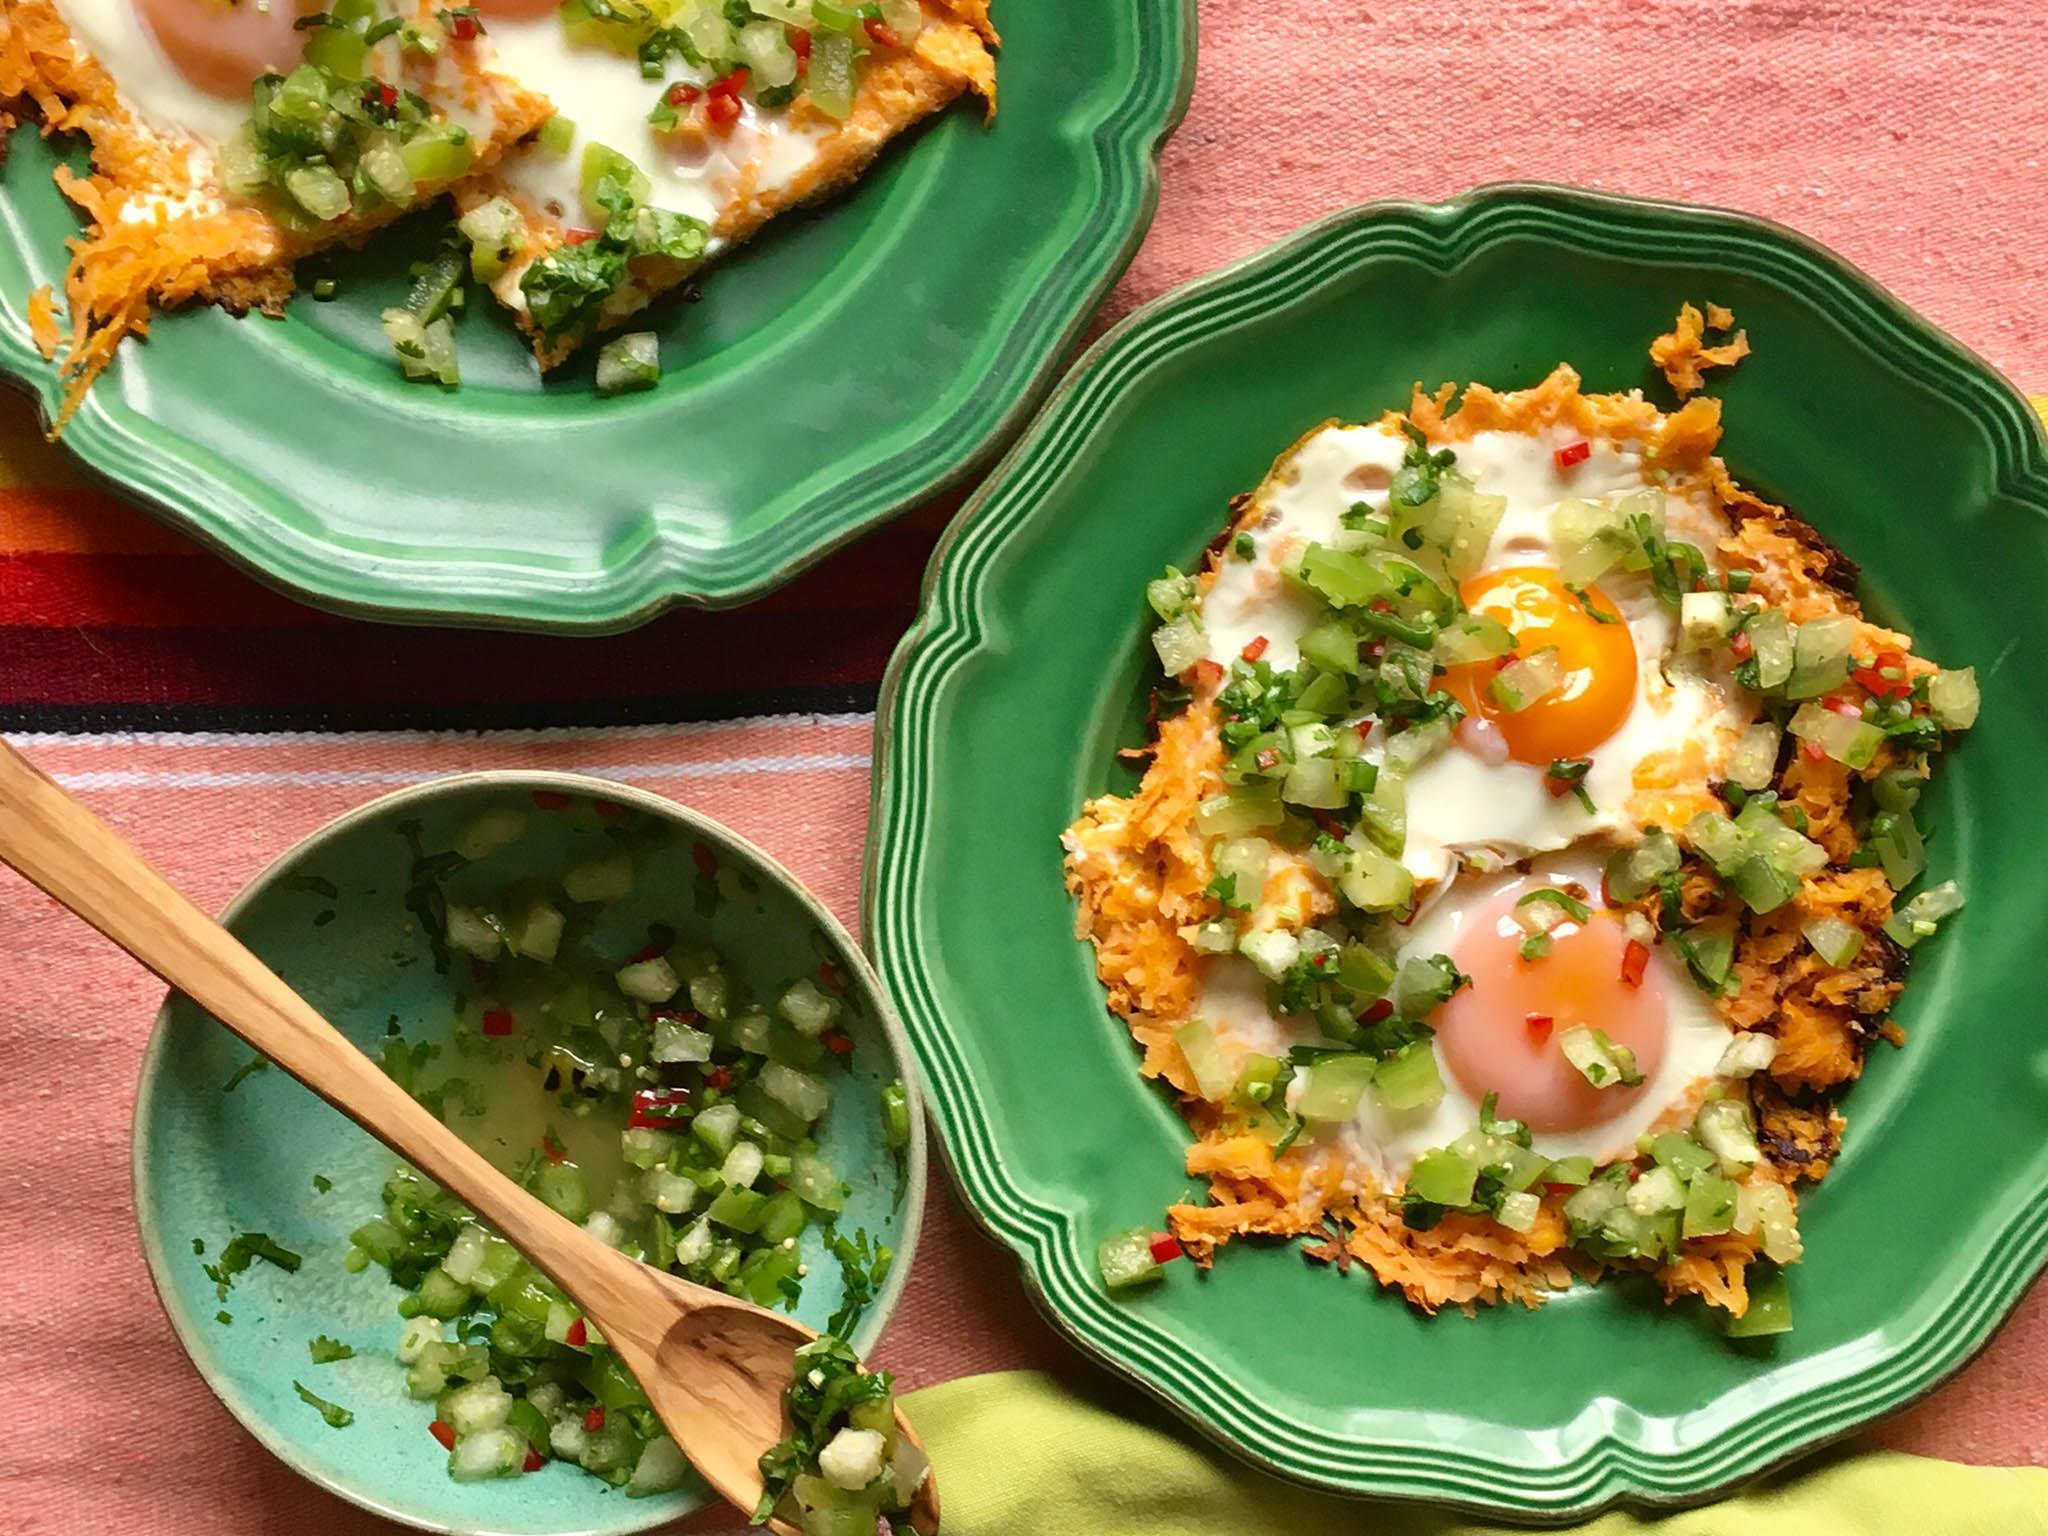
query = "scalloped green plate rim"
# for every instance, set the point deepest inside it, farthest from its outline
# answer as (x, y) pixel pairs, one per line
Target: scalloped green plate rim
(1026, 670)
(839, 370)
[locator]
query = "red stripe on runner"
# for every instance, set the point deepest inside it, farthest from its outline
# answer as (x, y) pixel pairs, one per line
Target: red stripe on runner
(162, 591)
(140, 592)
(350, 667)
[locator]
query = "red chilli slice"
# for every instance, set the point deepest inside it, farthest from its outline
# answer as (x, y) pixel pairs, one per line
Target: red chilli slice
(1255, 649)
(1539, 1026)
(838, 1042)
(1208, 672)
(444, 1432)
(497, 1021)
(705, 857)
(593, 1421)
(464, 30)
(654, 1108)
(553, 1150)
(550, 800)
(1886, 676)
(1573, 453)
(576, 1335)
(1379, 1010)
(682, 93)
(881, 34)
(1165, 1248)
(533, 1462)
(1634, 961)
(1742, 646)
(832, 977)
(799, 42)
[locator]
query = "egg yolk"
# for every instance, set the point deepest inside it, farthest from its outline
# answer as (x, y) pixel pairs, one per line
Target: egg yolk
(221, 47)
(1598, 661)
(1500, 1035)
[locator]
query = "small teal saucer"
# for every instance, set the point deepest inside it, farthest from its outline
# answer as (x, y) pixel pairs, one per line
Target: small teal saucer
(267, 1156)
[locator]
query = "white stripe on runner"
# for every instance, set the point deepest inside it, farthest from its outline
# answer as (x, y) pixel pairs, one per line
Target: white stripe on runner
(537, 734)
(625, 773)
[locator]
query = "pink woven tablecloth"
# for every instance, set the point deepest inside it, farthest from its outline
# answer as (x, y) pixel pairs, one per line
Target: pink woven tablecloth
(1900, 135)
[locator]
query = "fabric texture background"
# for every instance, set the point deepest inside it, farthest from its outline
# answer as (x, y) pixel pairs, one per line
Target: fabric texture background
(216, 722)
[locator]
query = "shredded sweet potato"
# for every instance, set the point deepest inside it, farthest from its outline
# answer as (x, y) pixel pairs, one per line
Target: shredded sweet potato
(43, 329)
(1684, 355)
(1140, 871)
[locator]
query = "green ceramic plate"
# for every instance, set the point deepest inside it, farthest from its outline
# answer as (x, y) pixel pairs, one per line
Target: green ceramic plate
(1028, 669)
(210, 1163)
(837, 371)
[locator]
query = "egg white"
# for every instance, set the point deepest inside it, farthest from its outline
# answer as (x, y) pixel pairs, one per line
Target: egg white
(604, 94)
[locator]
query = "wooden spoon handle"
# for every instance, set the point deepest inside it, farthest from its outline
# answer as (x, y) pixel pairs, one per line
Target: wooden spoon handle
(64, 848)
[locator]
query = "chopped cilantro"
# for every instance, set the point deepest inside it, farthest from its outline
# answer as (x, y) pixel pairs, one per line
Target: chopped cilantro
(863, 1266)
(243, 1249)
(247, 1069)
(336, 1415)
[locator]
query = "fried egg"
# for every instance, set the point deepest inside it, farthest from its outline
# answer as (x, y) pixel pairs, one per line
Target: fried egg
(1630, 705)
(1500, 1035)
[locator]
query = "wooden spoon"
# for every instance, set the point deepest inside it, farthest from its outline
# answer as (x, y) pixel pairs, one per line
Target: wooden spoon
(713, 1366)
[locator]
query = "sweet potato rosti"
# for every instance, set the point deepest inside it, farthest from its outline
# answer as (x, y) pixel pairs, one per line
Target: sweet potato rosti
(1517, 879)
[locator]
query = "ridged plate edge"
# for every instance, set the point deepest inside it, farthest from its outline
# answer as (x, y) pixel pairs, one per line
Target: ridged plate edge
(953, 621)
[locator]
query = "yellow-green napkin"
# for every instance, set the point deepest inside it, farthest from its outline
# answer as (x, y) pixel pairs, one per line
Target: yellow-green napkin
(1018, 1454)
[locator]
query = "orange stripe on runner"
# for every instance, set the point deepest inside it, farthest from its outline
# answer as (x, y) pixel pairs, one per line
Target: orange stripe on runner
(80, 522)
